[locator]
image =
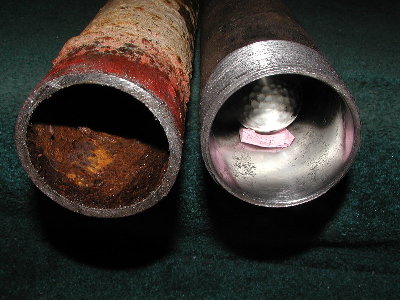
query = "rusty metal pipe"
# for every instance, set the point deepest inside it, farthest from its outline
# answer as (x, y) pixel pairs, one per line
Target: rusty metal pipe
(102, 133)
(264, 82)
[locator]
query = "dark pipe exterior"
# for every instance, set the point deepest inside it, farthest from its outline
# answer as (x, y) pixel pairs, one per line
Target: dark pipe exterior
(134, 52)
(243, 41)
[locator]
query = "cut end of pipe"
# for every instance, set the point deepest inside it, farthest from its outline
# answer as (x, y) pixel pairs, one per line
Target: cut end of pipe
(289, 166)
(287, 144)
(97, 146)
(97, 149)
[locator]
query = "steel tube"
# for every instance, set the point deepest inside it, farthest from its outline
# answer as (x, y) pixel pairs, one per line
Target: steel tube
(102, 133)
(246, 44)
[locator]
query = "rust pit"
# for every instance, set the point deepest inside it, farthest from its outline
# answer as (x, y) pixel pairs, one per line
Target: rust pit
(97, 146)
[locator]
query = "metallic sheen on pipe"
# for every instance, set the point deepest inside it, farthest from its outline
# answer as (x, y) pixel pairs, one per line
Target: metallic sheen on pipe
(102, 133)
(246, 43)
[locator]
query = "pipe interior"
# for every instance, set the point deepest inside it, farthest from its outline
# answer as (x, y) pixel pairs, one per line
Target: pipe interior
(324, 136)
(97, 146)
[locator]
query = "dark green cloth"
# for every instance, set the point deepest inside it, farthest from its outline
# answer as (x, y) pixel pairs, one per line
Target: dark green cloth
(200, 242)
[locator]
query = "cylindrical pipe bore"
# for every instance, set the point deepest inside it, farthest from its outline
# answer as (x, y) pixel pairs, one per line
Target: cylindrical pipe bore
(102, 133)
(278, 126)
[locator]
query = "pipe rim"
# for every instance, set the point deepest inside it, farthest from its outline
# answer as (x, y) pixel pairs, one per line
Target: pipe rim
(257, 60)
(156, 106)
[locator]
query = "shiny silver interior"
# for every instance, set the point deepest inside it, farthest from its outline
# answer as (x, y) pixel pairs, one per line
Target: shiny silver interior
(324, 138)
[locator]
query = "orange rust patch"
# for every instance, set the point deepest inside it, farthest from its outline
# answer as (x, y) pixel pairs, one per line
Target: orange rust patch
(95, 168)
(99, 160)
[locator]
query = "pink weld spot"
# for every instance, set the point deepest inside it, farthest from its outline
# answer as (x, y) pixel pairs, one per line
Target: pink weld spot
(280, 139)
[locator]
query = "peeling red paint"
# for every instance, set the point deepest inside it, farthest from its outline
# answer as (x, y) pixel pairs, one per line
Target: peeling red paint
(139, 71)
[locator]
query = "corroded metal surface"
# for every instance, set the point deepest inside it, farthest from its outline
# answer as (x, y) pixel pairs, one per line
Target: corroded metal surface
(142, 49)
(242, 42)
(95, 168)
(156, 35)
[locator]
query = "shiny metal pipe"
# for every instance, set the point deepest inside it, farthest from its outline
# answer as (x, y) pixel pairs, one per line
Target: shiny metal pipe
(102, 133)
(245, 43)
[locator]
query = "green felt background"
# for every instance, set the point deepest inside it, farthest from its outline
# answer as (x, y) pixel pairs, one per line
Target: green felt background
(200, 242)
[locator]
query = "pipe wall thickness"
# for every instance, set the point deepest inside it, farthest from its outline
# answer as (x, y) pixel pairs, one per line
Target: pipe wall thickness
(102, 133)
(244, 42)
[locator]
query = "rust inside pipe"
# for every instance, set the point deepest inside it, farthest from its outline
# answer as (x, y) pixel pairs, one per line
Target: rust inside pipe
(102, 133)
(99, 164)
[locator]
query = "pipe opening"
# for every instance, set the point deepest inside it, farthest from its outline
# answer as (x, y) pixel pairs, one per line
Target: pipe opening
(97, 146)
(267, 167)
